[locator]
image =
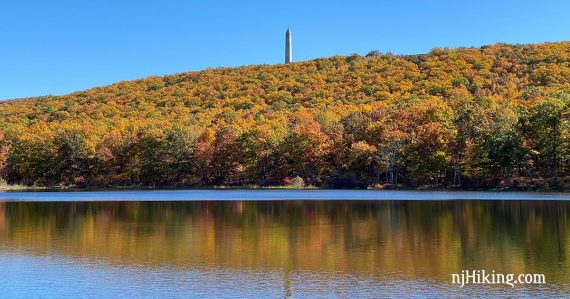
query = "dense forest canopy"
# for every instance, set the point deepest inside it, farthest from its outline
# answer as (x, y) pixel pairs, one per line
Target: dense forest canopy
(488, 117)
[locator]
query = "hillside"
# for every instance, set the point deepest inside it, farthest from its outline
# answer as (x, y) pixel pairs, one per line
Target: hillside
(475, 118)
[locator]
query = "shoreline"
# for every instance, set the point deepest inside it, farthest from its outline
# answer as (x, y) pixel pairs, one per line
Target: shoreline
(20, 188)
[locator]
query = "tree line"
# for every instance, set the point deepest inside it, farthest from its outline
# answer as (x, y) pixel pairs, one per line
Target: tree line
(493, 117)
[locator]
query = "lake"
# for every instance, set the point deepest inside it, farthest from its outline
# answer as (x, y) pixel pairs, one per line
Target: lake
(279, 243)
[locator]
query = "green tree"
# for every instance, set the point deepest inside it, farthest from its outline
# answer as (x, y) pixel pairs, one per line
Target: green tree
(179, 155)
(150, 160)
(549, 124)
(505, 150)
(471, 122)
(32, 162)
(73, 158)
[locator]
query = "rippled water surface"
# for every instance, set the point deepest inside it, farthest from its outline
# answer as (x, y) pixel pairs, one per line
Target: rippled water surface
(172, 244)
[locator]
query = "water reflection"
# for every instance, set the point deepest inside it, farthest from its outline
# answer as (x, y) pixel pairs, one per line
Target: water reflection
(366, 240)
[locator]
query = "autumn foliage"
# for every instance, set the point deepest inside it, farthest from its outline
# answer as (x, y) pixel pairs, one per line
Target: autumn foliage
(490, 117)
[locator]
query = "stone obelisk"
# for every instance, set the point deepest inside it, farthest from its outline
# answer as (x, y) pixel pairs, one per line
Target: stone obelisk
(288, 47)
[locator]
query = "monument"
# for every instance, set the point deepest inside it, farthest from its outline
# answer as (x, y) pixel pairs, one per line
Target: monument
(288, 47)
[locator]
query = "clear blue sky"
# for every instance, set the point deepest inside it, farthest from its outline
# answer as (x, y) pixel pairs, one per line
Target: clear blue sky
(60, 46)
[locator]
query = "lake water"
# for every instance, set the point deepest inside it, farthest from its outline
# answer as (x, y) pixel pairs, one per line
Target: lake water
(279, 243)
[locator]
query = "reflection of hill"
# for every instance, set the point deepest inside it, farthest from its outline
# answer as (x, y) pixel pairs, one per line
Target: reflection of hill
(418, 239)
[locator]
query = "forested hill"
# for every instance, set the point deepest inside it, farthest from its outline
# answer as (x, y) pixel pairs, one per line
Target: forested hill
(490, 117)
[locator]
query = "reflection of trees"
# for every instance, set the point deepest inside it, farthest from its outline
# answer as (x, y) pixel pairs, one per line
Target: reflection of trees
(3, 221)
(425, 239)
